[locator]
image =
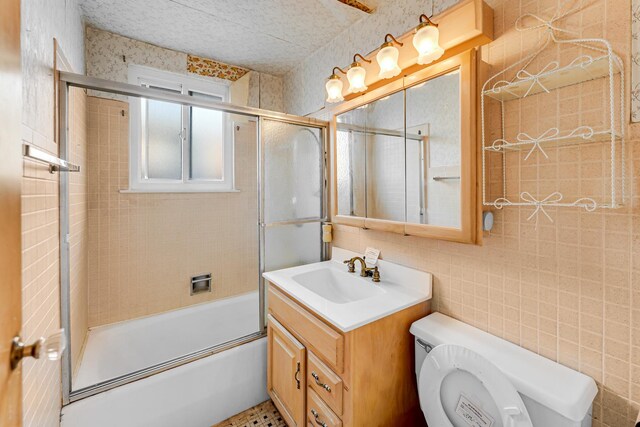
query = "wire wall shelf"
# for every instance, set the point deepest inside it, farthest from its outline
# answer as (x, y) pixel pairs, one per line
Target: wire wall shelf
(552, 77)
(524, 82)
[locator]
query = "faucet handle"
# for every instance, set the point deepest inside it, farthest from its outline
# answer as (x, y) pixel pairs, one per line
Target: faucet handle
(376, 274)
(350, 264)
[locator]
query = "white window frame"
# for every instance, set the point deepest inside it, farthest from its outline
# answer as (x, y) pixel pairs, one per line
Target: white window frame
(141, 75)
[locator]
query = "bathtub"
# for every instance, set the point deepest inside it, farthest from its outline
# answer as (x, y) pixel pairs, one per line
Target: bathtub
(200, 393)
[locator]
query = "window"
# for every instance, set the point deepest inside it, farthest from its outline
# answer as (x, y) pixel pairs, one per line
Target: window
(176, 148)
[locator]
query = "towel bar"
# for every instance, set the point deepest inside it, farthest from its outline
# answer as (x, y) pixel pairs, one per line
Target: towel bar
(55, 164)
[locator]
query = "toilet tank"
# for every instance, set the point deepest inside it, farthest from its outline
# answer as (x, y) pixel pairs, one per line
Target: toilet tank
(554, 395)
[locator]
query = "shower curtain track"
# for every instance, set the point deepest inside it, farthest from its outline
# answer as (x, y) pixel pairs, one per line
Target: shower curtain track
(67, 80)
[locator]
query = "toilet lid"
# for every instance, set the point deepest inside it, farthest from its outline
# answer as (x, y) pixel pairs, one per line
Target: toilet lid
(460, 388)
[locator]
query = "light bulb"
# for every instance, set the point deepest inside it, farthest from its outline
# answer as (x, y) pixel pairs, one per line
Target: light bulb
(387, 59)
(426, 43)
(334, 89)
(356, 76)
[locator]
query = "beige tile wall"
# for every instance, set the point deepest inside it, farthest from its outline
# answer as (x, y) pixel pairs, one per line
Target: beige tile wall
(40, 283)
(144, 248)
(569, 290)
(41, 21)
(78, 224)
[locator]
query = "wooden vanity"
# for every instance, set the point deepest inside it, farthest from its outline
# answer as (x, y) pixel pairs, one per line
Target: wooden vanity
(318, 375)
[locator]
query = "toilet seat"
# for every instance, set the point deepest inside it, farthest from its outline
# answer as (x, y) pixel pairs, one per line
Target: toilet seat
(447, 359)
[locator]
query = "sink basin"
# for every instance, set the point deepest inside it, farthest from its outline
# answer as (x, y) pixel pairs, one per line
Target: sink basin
(346, 300)
(337, 286)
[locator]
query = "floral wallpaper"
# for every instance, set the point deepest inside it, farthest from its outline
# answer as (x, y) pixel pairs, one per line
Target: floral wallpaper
(210, 68)
(108, 56)
(635, 61)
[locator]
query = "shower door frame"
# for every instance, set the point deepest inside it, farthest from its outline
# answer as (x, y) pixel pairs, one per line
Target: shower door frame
(263, 225)
(67, 80)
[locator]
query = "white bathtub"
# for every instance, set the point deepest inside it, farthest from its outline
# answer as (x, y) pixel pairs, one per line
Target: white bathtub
(125, 347)
(200, 393)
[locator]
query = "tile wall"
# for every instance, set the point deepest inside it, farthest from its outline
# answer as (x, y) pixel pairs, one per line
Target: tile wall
(41, 21)
(78, 224)
(568, 289)
(144, 248)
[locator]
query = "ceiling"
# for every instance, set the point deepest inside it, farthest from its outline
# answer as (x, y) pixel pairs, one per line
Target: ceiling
(270, 36)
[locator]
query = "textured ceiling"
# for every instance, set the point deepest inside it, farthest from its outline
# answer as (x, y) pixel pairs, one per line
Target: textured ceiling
(265, 35)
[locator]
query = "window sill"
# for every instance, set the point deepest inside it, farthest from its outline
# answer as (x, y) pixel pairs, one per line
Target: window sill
(170, 191)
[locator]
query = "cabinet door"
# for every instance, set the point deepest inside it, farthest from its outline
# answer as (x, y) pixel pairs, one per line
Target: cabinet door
(286, 373)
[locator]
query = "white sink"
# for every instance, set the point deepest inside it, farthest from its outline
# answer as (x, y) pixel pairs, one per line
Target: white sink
(338, 286)
(347, 300)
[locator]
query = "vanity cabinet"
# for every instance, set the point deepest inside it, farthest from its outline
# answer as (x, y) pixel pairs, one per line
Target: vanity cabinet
(320, 375)
(286, 359)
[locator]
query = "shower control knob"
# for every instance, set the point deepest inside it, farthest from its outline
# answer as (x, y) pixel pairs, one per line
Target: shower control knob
(51, 347)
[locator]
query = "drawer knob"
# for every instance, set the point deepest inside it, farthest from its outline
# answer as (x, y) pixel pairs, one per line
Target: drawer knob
(317, 418)
(320, 383)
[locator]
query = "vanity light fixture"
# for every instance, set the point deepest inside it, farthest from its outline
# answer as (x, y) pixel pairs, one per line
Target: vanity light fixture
(334, 86)
(356, 75)
(426, 42)
(387, 58)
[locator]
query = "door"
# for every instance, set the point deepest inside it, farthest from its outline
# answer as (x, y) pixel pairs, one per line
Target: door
(10, 228)
(286, 373)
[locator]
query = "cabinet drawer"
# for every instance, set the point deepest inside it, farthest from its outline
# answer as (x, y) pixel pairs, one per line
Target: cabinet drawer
(319, 413)
(325, 383)
(325, 342)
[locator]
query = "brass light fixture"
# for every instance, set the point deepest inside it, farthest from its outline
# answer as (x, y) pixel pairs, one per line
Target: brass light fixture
(356, 75)
(426, 41)
(388, 58)
(334, 86)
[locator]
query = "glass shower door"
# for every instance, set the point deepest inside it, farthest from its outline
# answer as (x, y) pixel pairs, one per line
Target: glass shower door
(293, 194)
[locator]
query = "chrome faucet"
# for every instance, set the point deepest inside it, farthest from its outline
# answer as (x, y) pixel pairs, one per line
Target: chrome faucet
(364, 270)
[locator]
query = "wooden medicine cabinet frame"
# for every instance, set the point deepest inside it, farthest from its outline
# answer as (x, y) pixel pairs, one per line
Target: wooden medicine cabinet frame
(470, 208)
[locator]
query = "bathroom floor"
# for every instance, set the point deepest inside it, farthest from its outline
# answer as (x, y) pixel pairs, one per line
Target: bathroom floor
(262, 415)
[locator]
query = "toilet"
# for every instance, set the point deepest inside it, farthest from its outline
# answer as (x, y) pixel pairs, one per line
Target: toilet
(469, 378)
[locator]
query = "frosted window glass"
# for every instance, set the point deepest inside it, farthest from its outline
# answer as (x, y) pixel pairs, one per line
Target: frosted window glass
(164, 140)
(291, 245)
(293, 176)
(207, 142)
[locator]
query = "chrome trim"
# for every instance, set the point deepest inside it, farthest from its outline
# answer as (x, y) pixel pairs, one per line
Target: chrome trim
(326, 247)
(55, 164)
(127, 89)
(293, 222)
(161, 367)
(444, 178)
(347, 127)
(75, 80)
(65, 265)
(425, 345)
(261, 233)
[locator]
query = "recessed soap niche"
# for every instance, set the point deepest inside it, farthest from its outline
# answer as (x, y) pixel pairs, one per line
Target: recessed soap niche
(200, 284)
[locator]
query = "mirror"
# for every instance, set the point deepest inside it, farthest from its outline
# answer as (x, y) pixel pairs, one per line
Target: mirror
(433, 151)
(403, 157)
(413, 177)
